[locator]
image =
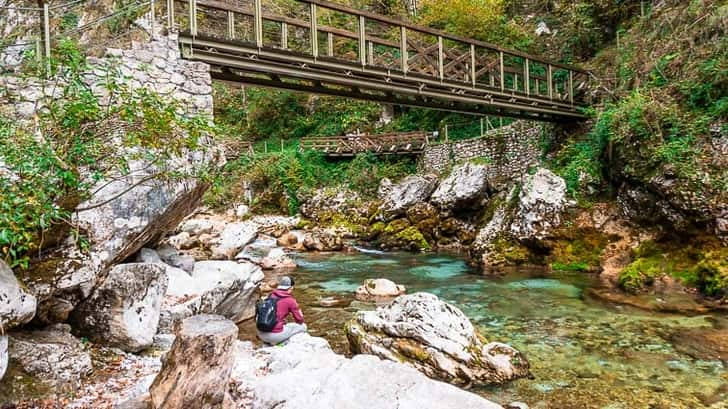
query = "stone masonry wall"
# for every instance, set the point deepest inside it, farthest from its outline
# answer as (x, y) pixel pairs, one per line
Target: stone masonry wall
(510, 150)
(155, 65)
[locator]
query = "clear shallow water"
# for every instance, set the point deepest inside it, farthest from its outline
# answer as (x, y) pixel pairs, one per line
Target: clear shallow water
(583, 354)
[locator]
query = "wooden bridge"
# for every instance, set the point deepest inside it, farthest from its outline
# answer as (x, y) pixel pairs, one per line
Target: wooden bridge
(409, 143)
(327, 48)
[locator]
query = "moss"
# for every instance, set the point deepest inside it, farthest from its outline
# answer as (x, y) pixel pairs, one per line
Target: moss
(701, 264)
(396, 226)
(376, 229)
(354, 224)
(711, 273)
(641, 273)
(413, 238)
(512, 251)
(410, 349)
(578, 250)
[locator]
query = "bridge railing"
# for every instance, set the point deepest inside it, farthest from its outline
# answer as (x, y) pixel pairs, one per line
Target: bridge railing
(332, 32)
(382, 144)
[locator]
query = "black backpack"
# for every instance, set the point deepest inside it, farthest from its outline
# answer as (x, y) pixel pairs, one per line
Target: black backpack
(266, 314)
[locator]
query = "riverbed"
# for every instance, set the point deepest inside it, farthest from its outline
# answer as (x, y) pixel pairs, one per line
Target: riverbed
(584, 353)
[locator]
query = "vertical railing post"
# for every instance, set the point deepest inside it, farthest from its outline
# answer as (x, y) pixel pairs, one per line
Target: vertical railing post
(447, 137)
(502, 72)
(403, 48)
(284, 35)
(193, 17)
(571, 87)
(47, 35)
(527, 77)
(482, 131)
(550, 79)
(472, 65)
(370, 52)
(258, 23)
(440, 58)
(153, 16)
(330, 44)
(314, 31)
(170, 14)
(231, 25)
(362, 41)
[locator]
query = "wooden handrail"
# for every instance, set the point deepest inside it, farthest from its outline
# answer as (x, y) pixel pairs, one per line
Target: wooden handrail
(387, 20)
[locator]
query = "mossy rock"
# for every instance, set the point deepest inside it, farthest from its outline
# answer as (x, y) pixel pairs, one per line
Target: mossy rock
(512, 252)
(396, 226)
(712, 273)
(413, 239)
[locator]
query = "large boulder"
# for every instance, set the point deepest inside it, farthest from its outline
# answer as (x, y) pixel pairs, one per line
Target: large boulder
(379, 289)
(226, 288)
(540, 203)
(317, 378)
(331, 201)
(466, 187)
(17, 306)
(124, 311)
(196, 369)
(234, 237)
(436, 338)
(52, 356)
(399, 197)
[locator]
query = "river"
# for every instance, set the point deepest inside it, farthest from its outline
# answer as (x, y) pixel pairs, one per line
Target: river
(583, 353)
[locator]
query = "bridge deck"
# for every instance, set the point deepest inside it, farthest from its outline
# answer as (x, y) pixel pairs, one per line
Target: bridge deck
(328, 48)
(409, 143)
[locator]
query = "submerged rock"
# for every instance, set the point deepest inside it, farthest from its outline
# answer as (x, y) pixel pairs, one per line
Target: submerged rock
(436, 338)
(317, 378)
(52, 356)
(465, 188)
(378, 290)
(196, 369)
(405, 194)
(124, 311)
(17, 306)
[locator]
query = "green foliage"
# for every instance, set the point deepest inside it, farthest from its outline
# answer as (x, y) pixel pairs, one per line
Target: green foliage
(480, 19)
(284, 178)
(576, 266)
(48, 168)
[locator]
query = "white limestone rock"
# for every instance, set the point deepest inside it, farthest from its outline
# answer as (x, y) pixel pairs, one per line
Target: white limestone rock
(226, 288)
(402, 195)
(436, 338)
(379, 289)
(52, 356)
(466, 187)
(540, 203)
(277, 259)
(3, 355)
(317, 378)
(124, 311)
(234, 237)
(17, 306)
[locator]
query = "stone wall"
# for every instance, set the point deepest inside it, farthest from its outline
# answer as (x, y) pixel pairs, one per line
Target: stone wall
(156, 66)
(510, 150)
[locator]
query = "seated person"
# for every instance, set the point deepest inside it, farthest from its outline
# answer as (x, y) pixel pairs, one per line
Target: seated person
(285, 305)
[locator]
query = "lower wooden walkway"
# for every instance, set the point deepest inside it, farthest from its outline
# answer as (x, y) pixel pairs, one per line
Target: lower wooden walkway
(409, 143)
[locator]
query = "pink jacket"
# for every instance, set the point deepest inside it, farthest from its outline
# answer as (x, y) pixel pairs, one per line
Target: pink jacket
(286, 305)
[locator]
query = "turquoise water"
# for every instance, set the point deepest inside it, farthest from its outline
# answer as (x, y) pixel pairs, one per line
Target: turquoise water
(584, 354)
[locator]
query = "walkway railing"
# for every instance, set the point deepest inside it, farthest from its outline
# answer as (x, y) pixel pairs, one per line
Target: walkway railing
(407, 143)
(339, 50)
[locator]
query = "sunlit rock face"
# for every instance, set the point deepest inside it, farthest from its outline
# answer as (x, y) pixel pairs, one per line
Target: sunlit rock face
(436, 338)
(317, 378)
